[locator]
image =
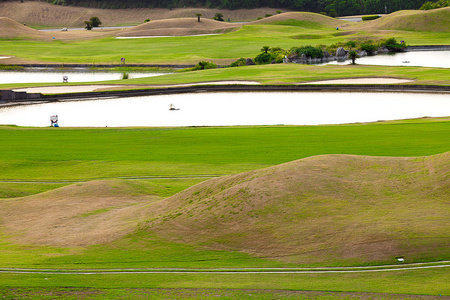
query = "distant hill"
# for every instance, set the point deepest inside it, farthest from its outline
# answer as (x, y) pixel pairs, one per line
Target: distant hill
(333, 208)
(436, 20)
(340, 8)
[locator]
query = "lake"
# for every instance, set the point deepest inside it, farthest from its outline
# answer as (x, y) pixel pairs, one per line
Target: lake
(74, 75)
(225, 109)
(436, 59)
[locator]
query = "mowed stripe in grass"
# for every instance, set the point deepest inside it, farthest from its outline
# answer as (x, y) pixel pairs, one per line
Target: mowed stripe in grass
(69, 153)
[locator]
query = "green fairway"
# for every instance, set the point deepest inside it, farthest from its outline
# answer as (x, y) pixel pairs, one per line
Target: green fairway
(49, 154)
(225, 48)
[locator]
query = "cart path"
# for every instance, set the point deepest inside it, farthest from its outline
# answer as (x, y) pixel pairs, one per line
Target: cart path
(317, 270)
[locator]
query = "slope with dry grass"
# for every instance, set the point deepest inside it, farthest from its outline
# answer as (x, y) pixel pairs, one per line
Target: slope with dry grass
(12, 29)
(179, 27)
(323, 208)
(436, 20)
(37, 13)
(77, 215)
(330, 208)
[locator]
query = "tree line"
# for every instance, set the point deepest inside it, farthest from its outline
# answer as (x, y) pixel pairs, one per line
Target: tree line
(329, 7)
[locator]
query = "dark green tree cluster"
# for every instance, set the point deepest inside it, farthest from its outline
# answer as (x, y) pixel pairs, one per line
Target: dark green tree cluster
(329, 7)
(432, 5)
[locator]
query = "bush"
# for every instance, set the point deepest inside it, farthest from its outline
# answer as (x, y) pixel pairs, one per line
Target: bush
(368, 18)
(368, 47)
(203, 65)
(392, 45)
(432, 5)
(239, 63)
(309, 51)
(263, 58)
(268, 15)
(147, 20)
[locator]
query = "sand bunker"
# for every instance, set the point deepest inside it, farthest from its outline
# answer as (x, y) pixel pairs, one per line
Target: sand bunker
(93, 88)
(66, 89)
(361, 81)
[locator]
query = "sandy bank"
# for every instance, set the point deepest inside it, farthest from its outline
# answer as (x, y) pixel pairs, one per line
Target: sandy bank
(361, 81)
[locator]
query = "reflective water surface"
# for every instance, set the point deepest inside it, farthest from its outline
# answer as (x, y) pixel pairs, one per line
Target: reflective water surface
(436, 59)
(73, 75)
(221, 109)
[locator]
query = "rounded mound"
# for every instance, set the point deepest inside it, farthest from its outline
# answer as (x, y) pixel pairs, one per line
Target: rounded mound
(301, 19)
(178, 27)
(12, 29)
(436, 20)
(76, 215)
(334, 208)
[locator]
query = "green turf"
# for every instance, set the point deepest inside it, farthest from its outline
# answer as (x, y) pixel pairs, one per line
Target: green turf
(245, 42)
(82, 154)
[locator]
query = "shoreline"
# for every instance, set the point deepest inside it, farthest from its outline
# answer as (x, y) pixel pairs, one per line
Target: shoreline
(205, 88)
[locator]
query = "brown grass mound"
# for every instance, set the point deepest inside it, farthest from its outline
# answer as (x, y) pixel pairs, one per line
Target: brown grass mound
(11, 29)
(77, 215)
(175, 27)
(305, 18)
(324, 208)
(435, 20)
(38, 13)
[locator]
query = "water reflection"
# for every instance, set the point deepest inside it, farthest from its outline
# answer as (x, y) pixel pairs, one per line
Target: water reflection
(218, 109)
(435, 59)
(52, 76)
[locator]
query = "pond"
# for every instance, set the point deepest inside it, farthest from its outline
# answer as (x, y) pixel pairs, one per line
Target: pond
(224, 109)
(435, 59)
(74, 75)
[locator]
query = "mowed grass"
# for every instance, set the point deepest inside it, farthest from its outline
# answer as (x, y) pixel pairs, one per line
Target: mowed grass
(52, 154)
(222, 49)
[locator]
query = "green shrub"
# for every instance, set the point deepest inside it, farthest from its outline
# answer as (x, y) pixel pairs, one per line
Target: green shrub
(368, 47)
(147, 20)
(203, 65)
(432, 5)
(240, 62)
(268, 15)
(263, 58)
(309, 51)
(368, 18)
(392, 45)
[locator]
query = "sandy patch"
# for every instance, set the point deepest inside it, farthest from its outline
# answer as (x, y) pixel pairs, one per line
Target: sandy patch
(213, 83)
(159, 36)
(65, 89)
(92, 88)
(361, 81)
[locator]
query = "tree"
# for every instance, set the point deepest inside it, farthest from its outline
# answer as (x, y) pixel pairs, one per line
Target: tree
(198, 16)
(353, 55)
(218, 17)
(265, 49)
(95, 22)
(88, 25)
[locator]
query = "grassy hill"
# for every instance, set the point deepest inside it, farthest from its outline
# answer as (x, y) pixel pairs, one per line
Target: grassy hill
(42, 14)
(330, 208)
(435, 20)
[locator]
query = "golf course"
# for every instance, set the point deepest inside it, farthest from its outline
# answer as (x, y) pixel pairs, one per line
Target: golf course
(344, 211)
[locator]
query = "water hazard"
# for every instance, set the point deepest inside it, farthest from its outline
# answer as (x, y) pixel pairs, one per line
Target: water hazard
(435, 59)
(73, 75)
(224, 109)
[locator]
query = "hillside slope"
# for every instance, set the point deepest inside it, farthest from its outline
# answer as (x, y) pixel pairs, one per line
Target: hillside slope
(435, 20)
(324, 208)
(12, 29)
(181, 26)
(329, 208)
(38, 13)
